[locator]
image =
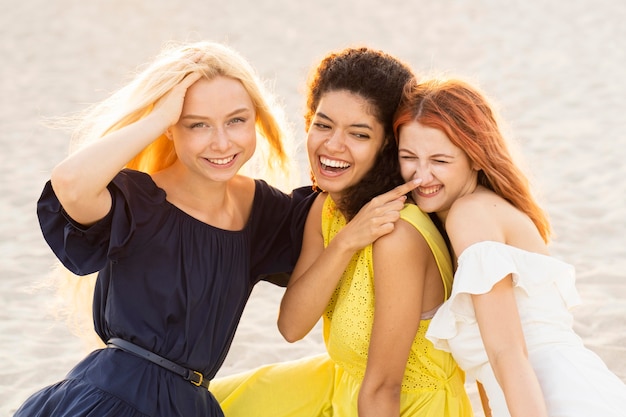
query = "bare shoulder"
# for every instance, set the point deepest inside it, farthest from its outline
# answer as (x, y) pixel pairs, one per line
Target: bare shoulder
(476, 217)
(314, 217)
(404, 239)
(478, 205)
(318, 205)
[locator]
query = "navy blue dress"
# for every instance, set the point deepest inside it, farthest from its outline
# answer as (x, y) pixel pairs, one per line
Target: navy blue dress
(168, 283)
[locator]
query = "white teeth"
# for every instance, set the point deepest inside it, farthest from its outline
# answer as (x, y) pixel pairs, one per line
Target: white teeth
(333, 163)
(430, 190)
(222, 161)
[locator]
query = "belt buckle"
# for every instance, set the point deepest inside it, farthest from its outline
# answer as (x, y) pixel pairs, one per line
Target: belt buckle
(201, 378)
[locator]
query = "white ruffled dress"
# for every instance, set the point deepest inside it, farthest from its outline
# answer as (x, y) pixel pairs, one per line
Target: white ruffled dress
(574, 380)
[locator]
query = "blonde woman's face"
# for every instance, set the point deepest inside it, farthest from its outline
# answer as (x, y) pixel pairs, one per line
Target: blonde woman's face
(446, 171)
(216, 132)
(343, 141)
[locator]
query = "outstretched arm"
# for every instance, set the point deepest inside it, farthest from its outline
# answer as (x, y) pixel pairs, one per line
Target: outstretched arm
(401, 262)
(81, 179)
(319, 269)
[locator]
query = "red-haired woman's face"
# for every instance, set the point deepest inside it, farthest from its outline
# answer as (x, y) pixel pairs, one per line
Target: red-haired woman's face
(446, 171)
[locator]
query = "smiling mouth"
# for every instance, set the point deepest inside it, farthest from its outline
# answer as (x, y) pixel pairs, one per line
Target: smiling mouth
(426, 191)
(333, 165)
(221, 161)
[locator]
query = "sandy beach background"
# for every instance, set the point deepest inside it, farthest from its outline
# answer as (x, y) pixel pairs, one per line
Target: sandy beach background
(555, 68)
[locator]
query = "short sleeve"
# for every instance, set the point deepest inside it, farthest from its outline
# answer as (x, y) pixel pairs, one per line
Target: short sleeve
(86, 249)
(484, 264)
(278, 229)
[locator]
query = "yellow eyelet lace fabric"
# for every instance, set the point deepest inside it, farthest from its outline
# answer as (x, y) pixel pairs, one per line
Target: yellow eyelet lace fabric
(349, 316)
(328, 384)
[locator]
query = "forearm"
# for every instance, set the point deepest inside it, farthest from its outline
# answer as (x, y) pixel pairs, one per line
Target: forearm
(86, 173)
(503, 337)
(308, 295)
(520, 385)
(383, 401)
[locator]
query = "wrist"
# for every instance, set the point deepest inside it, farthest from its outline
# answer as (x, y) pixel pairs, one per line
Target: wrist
(342, 243)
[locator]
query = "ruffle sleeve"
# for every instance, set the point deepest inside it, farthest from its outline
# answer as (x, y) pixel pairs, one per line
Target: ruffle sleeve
(484, 264)
(86, 249)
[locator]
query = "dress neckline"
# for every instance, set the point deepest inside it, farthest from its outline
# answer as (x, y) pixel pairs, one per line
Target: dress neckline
(208, 225)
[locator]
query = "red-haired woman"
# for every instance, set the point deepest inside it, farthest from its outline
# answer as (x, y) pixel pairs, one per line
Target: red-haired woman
(507, 322)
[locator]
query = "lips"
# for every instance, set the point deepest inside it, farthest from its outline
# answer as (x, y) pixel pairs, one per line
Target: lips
(221, 161)
(429, 191)
(333, 165)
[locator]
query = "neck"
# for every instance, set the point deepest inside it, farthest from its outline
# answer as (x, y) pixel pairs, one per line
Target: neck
(195, 194)
(337, 198)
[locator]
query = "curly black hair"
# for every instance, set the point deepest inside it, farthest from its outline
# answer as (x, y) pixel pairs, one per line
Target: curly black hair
(379, 78)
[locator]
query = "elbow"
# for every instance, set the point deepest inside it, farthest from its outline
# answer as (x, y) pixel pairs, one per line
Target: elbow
(382, 396)
(503, 361)
(389, 390)
(385, 386)
(291, 338)
(289, 333)
(64, 183)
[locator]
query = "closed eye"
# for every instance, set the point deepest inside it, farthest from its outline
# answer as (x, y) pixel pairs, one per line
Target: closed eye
(403, 154)
(361, 135)
(321, 126)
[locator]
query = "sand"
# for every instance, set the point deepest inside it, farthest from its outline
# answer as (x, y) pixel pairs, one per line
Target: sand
(555, 68)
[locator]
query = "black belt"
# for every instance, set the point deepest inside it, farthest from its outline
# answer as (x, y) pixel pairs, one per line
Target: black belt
(194, 377)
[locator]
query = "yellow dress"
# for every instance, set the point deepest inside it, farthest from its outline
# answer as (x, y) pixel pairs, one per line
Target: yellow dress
(328, 385)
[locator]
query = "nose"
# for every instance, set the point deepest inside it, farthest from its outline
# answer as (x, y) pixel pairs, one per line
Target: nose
(336, 142)
(220, 142)
(423, 171)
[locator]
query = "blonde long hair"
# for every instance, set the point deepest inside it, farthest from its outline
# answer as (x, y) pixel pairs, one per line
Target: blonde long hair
(154, 79)
(272, 161)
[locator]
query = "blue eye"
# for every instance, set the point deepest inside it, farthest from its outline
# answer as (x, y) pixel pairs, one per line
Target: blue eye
(198, 125)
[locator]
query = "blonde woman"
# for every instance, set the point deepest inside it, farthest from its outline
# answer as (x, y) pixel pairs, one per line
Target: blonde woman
(154, 203)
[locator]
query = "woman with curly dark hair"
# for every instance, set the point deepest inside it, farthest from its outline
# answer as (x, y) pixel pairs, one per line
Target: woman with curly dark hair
(375, 280)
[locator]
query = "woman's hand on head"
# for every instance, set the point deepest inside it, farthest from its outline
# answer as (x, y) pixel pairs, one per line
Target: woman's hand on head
(378, 217)
(169, 107)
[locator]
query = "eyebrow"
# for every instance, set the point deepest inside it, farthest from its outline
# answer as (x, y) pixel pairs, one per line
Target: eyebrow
(437, 155)
(232, 113)
(359, 125)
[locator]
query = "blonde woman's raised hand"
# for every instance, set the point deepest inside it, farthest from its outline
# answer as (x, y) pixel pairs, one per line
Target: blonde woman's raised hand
(81, 179)
(169, 107)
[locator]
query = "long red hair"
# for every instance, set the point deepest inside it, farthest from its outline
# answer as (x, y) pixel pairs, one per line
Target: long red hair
(464, 114)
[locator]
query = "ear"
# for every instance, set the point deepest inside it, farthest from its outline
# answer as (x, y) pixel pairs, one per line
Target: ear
(168, 133)
(475, 166)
